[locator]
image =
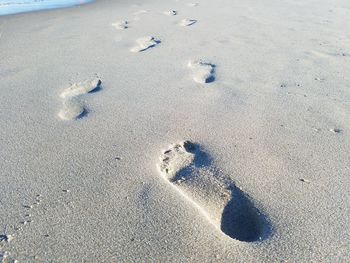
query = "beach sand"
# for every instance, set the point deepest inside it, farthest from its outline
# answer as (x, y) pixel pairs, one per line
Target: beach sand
(133, 131)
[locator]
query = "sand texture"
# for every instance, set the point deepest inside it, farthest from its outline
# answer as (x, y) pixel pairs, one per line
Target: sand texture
(176, 131)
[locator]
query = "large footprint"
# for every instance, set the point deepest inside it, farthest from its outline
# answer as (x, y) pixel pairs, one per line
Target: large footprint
(228, 208)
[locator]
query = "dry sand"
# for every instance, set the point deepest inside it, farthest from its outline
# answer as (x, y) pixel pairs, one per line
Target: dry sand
(251, 97)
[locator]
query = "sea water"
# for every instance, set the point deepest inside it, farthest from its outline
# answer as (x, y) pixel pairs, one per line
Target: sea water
(19, 6)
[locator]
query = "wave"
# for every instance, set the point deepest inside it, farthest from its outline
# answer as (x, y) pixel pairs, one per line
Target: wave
(8, 7)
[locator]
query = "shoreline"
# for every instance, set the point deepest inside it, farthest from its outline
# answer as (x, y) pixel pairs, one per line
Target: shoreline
(7, 9)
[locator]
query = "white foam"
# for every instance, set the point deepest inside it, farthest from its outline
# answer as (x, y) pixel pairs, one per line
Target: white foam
(186, 167)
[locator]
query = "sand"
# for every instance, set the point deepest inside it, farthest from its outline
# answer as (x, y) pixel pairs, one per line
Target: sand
(254, 96)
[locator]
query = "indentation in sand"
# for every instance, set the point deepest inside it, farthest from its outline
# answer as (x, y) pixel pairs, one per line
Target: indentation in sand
(145, 43)
(203, 72)
(189, 169)
(187, 22)
(73, 106)
(121, 24)
(171, 13)
(304, 180)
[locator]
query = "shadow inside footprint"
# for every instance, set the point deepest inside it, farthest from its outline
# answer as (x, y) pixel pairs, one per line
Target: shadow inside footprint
(156, 42)
(241, 220)
(211, 78)
(82, 115)
(97, 88)
(201, 158)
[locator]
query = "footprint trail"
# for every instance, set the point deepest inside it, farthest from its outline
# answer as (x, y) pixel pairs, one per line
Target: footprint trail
(187, 168)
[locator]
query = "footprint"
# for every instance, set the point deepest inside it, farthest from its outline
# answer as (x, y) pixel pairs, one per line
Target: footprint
(121, 25)
(187, 22)
(145, 43)
(187, 168)
(73, 107)
(304, 180)
(319, 79)
(171, 13)
(336, 130)
(203, 72)
(82, 88)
